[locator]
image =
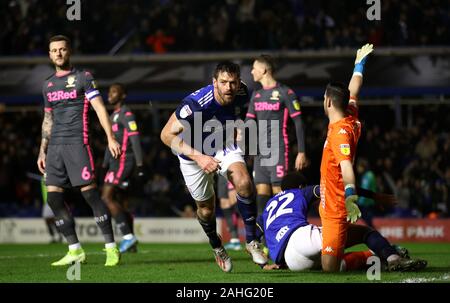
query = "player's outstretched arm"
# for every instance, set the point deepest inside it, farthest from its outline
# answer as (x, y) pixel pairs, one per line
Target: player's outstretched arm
(169, 136)
(357, 77)
(47, 124)
(102, 114)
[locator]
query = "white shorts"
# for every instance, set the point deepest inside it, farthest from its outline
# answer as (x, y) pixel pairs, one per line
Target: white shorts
(304, 248)
(201, 184)
(47, 211)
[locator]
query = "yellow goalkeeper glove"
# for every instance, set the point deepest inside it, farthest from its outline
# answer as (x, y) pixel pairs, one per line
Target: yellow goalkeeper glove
(361, 57)
(353, 212)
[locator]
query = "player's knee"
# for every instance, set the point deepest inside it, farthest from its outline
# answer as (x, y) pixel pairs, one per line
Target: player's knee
(244, 186)
(330, 264)
(205, 213)
(92, 197)
(367, 232)
(107, 196)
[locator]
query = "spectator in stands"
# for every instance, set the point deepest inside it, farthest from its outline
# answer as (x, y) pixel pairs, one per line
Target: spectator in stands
(249, 24)
(159, 41)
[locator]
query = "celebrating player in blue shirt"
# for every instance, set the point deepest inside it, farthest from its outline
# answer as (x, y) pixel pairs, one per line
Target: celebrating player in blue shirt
(195, 132)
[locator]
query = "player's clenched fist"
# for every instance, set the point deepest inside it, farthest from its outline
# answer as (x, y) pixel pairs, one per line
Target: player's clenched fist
(208, 164)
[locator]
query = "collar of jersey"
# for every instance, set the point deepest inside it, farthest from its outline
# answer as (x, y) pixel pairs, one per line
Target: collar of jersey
(65, 74)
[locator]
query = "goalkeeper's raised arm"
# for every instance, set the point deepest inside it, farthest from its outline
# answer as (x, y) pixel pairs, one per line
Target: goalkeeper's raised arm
(357, 77)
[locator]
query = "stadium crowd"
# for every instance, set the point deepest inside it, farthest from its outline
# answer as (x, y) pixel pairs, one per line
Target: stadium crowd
(161, 26)
(411, 162)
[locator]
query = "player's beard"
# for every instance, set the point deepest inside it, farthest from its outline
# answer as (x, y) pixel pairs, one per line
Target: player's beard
(63, 66)
(227, 98)
(114, 101)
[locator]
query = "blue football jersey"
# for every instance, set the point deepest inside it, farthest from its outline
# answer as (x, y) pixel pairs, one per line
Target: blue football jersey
(200, 108)
(283, 214)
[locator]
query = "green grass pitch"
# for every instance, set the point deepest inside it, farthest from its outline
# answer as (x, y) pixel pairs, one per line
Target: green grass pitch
(192, 263)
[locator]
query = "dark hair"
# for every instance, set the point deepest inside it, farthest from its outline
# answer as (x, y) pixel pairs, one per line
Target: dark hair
(61, 38)
(293, 180)
(339, 95)
(229, 67)
(121, 86)
(268, 61)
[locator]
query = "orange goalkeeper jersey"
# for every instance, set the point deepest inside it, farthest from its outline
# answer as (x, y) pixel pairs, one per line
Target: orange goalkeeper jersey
(342, 138)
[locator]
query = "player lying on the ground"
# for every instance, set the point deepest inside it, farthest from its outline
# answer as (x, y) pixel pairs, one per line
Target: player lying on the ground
(295, 244)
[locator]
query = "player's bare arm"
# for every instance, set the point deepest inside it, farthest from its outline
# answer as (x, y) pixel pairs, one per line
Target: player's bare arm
(169, 136)
(348, 174)
(46, 132)
(102, 114)
(357, 78)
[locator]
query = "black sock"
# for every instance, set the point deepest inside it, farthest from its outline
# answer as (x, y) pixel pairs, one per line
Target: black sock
(130, 221)
(102, 215)
(378, 244)
(228, 215)
(210, 229)
(122, 223)
(247, 208)
(261, 201)
(63, 219)
(50, 225)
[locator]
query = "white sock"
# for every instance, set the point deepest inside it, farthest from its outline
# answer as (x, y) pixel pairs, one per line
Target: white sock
(235, 240)
(110, 245)
(75, 246)
(128, 236)
(392, 258)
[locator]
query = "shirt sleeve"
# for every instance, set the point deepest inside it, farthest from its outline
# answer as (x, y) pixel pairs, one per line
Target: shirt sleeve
(90, 86)
(293, 105)
(185, 111)
(129, 123)
(251, 108)
(340, 144)
(311, 193)
(352, 107)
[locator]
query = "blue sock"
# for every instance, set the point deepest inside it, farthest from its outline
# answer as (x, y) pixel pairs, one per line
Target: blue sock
(379, 245)
(247, 208)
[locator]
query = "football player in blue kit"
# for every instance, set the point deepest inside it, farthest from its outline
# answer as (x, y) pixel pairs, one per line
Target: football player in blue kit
(295, 244)
(197, 132)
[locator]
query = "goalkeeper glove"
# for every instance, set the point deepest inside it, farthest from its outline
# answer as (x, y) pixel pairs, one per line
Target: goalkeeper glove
(353, 212)
(361, 57)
